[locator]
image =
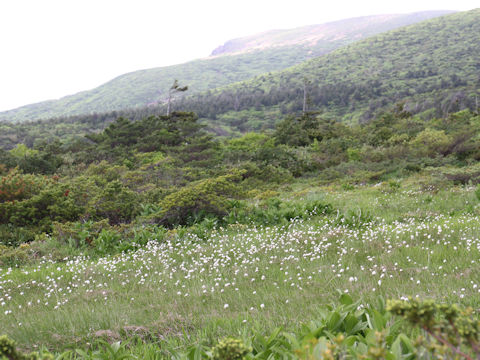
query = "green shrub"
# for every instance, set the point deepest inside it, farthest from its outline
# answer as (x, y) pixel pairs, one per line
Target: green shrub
(14, 256)
(8, 351)
(462, 175)
(452, 332)
(353, 219)
(267, 173)
(431, 142)
(195, 202)
(15, 186)
(107, 242)
(101, 238)
(78, 234)
(274, 211)
(15, 235)
(115, 202)
(230, 349)
(52, 203)
(394, 185)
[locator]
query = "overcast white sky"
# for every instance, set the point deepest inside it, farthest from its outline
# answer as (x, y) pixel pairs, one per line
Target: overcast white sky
(53, 48)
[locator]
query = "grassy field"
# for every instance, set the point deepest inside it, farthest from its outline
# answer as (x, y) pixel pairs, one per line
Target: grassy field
(391, 239)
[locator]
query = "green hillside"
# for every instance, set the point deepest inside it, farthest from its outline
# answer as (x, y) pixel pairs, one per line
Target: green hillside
(433, 67)
(278, 51)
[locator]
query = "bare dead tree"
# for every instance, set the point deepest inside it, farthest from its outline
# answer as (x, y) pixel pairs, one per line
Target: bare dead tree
(173, 90)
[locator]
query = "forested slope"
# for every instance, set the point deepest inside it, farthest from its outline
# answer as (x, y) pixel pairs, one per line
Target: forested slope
(278, 51)
(433, 67)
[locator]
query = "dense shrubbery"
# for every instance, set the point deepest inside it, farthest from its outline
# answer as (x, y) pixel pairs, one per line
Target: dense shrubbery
(194, 202)
(167, 171)
(275, 211)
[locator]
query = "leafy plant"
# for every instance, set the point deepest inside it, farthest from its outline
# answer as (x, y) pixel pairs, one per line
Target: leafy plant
(194, 202)
(8, 351)
(451, 330)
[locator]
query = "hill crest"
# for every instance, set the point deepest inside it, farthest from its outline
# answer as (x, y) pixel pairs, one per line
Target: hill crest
(311, 35)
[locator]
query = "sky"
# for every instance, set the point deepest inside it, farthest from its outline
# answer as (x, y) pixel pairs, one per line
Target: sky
(53, 48)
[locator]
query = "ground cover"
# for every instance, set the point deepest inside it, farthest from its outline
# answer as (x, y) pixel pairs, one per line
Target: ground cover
(387, 240)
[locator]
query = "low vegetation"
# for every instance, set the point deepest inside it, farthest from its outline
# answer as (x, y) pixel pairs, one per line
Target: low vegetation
(314, 239)
(153, 240)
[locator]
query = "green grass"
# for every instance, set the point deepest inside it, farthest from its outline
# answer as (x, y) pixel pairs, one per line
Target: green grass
(245, 278)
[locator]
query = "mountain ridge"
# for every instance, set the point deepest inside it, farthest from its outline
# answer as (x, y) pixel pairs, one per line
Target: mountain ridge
(432, 67)
(149, 86)
(313, 34)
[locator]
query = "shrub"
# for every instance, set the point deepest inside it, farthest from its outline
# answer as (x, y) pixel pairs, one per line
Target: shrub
(195, 202)
(353, 219)
(463, 175)
(15, 186)
(10, 256)
(115, 202)
(265, 173)
(452, 332)
(78, 234)
(52, 203)
(230, 349)
(275, 211)
(431, 142)
(15, 235)
(8, 351)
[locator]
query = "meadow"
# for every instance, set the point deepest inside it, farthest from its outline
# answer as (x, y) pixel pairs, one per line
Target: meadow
(385, 240)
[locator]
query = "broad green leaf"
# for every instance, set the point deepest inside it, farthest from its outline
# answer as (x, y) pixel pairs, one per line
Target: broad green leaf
(346, 299)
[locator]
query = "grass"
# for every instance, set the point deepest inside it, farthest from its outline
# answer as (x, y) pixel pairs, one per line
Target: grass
(420, 241)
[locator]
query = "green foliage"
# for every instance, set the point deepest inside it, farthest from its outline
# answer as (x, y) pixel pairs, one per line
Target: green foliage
(15, 235)
(452, 331)
(196, 201)
(461, 175)
(140, 88)
(14, 256)
(344, 330)
(230, 349)
(275, 211)
(357, 82)
(52, 203)
(353, 218)
(115, 202)
(34, 161)
(8, 351)
(16, 186)
(431, 142)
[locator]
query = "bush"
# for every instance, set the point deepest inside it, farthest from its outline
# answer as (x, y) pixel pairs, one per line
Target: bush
(52, 203)
(463, 175)
(452, 332)
(8, 351)
(275, 211)
(255, 174)
(196, 201)
(15, 186)
(230, 349)
(78, 234)
(431, 142)
(116, 203)
(11, 235)
(10, 256)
